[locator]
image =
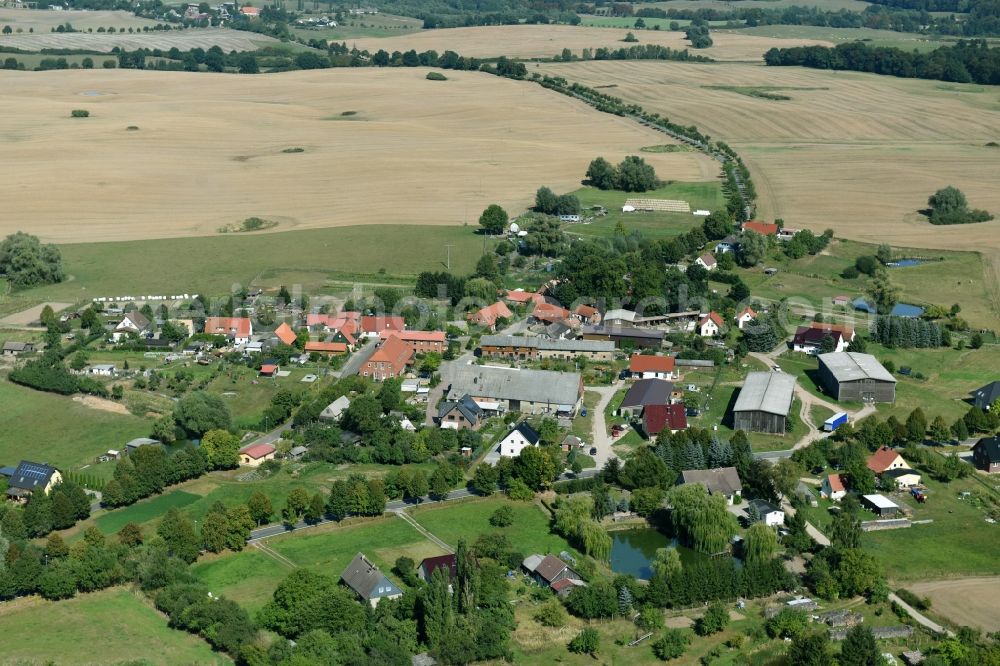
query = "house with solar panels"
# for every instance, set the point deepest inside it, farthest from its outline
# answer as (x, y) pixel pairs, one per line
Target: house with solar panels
(30, 477)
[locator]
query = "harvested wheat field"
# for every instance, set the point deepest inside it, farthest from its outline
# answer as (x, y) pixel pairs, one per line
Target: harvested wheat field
(545, 41)
(968, 602)
(380, 146)
(858, 153)
(204, 38)
(41, 20)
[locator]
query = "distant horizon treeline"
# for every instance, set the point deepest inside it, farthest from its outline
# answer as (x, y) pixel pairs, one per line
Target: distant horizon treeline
(968, 61)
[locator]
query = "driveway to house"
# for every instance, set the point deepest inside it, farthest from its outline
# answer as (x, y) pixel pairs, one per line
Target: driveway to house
(600, 438)
(811, 530)
(915, 614)
(272, 436)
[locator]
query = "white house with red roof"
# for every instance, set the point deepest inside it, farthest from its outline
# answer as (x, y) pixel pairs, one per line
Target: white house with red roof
(745, 317)
(487, 316)
(250, 12)
(420, 342)
(710, 325)
(833, 488)
(372, 326)
(644, 366)
(237, 329)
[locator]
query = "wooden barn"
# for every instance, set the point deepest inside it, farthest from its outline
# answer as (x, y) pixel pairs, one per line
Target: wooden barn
(856, 376)
(763, 403)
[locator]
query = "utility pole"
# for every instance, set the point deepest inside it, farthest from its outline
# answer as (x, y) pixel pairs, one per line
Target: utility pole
(448, 264)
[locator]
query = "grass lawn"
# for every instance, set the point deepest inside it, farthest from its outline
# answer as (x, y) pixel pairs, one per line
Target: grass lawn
(110, 626)
(212, 264)
(583, 426)
(958, 543)
(377, 25)
(47, 427)
(251, 576)
(948, 278)
(145, 511)
(819, 414)
(652, 225)
(248, 395)
(468, 519)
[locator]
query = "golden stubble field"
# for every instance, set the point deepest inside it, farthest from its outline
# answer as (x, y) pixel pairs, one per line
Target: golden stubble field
(858, 153)
(208, 150)
(545, 41)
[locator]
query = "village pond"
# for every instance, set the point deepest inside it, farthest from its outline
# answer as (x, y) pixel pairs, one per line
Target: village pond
(632, 550)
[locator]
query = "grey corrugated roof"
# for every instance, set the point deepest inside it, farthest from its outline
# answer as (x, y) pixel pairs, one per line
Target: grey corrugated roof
(852, 366)
(623, 331)
(769, 392)
(725, 480)
(544, 386)
(648, 392)
(546, 344)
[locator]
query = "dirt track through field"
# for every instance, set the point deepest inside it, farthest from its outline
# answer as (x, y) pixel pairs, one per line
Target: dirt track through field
(965, 601)
(858, 153)
(209, 150)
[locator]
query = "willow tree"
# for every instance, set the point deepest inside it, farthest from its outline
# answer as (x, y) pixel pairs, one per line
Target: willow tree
(760, 544)
(573, 520)
(700, 520)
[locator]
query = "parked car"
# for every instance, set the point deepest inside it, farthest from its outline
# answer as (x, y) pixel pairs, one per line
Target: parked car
(593, 450)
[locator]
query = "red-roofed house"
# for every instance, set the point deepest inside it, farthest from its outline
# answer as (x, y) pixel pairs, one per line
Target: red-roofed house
(251, 12)
(657, 418)
(255, 454)
(388, 361)
(588, 314)
(420, 342)
(487, 316)
(710, 325)
(521, 296)
(326, 347)
(762, 228)
(548, 313)
(833, 488)
(885, 459)
(372, 326)
(269, 370)
(643, 366)
(237, 329)
(745, 317)
(810, 340)
(285, 334)
(447, 562)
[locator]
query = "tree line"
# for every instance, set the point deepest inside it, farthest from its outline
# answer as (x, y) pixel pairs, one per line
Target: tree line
(971, 61)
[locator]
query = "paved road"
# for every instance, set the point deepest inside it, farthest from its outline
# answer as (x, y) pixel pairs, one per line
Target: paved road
(394, 506)
(272, 436)
(356, 360)
(915, 614)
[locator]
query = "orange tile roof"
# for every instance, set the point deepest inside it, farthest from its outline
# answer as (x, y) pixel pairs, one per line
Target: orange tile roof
(586, 310)
(488, 315)
(238, 327)
(836, 483)
(329, 347)
(393, 352)
(258, 451)
(763, 228)
(376, 323)
(268, 369)
(747, 310)
(647, 363)
(713, 316)
(549, 312)
(285, 334)
(879, 461)
(844, 329)
(521, 296)
(430, 336)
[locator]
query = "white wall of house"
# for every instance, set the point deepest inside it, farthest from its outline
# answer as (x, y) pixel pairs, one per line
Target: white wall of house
(512, 445)
(774, 518)
(709, 329)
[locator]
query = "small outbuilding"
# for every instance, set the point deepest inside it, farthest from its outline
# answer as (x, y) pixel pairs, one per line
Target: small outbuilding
(880, 505)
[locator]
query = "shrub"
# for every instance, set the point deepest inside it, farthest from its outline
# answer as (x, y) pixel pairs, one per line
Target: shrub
(436, 76)
(502, 517)
(80, 113)
(671, 645)
(586, 642)
(551, 614)
(715, 619)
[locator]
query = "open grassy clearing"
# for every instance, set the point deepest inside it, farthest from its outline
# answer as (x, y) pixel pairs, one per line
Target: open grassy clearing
(545, 41)
(106, 627)
(145, 511)
(958, 543)
(205, 38)
(704, 195)
(399, 161)
(468, 519)
(250, 577)
(860, 153)
(47, 427)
